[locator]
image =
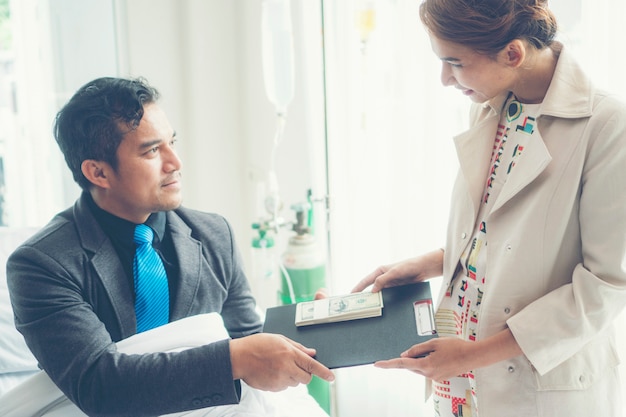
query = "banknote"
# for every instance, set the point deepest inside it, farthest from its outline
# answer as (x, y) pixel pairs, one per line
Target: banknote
(339, 308)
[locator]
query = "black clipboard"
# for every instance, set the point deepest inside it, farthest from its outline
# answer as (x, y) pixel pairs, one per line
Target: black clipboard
(364, 341)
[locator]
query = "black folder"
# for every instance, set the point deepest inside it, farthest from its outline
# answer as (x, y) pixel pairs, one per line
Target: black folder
(407, 319)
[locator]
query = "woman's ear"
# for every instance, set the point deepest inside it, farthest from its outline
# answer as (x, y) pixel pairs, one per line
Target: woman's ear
(95, 172)
(514, 53)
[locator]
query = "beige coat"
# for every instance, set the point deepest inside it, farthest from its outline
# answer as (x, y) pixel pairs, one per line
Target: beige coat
(556, 251)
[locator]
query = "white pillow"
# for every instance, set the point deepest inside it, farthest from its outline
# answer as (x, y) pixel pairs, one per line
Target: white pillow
(15, 358)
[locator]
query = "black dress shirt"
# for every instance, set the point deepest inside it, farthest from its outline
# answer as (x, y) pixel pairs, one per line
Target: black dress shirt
(121, 233)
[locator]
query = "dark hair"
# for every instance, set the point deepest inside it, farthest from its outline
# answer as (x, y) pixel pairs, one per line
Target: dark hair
(487, 26)
(93, 123)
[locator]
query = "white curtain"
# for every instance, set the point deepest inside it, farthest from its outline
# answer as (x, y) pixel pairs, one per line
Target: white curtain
(391, 159)
(391, 166)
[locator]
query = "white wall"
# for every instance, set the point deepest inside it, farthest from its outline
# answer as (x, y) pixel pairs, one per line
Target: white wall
(205, 58)
(190, 51)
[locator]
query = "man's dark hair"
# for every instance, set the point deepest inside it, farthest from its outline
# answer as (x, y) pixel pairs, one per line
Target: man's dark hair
(93, 123)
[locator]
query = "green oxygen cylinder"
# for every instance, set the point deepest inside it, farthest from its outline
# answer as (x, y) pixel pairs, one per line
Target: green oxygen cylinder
(303, 264)
(303, 269)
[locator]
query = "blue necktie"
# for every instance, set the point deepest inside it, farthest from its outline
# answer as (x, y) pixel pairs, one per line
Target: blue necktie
(152, 299)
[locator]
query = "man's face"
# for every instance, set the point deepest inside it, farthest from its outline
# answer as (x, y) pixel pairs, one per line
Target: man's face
(148, 177)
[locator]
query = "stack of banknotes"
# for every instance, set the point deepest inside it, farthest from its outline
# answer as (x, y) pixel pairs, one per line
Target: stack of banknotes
(339, 308)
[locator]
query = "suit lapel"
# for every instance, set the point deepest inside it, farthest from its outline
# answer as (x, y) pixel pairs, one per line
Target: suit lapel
(190, 264)
(107, 266)
(109, 270)
(113, 277)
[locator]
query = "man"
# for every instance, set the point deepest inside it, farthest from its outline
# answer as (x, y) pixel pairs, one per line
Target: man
(75, 285)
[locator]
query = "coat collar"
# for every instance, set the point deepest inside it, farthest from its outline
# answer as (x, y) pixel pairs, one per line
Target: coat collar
(109, 269)
(569, 95)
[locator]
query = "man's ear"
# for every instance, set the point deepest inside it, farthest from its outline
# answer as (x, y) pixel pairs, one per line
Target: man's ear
(515, 53)
(96, 172)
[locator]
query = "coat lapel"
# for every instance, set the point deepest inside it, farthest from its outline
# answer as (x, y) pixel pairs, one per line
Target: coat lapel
(474, 149)
(567, 97)
(533, 162)
(113, 277)
(189, 254)
(107, 266)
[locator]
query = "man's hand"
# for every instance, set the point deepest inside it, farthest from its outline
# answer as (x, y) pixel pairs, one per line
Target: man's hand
(272, 362)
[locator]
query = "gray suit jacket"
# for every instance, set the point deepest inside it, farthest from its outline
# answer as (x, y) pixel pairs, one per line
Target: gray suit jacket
(72, 301)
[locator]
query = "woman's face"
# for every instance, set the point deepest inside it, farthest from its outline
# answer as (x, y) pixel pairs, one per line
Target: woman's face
(478, 76)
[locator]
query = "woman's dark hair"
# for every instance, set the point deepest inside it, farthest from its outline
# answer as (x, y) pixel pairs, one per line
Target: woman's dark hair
(93, 123)
(487, 26)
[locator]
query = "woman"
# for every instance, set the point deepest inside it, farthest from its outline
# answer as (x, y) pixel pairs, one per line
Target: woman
(534, 267)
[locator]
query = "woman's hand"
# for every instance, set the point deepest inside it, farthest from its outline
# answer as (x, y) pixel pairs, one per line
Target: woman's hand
(446, 357)
(408, 271)
(438, 359)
